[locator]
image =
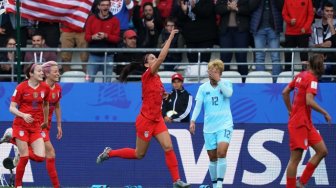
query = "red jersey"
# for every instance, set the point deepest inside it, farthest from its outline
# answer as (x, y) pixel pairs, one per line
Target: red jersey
(54, 97)
(30, 101)
(302, 11)
(303, 83)
(152, 95)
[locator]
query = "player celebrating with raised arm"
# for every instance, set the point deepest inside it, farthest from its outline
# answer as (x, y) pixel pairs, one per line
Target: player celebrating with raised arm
(150, 122)
(30, 106)
(218, 124)
(302, 132)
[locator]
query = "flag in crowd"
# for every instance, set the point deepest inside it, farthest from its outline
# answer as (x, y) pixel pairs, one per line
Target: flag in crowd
(70, 13)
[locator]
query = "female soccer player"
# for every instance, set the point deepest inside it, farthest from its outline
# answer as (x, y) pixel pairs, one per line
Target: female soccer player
(30, 106)
(218, 124)
(52, 76)
(150, 122)
(302, 132)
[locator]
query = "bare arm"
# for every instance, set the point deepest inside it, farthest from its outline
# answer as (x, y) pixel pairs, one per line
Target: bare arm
(286, 98)
(58, 120)
(155, 67)
(311, 102)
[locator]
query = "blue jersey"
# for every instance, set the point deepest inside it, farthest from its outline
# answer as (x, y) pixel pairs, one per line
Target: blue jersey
(216, 102)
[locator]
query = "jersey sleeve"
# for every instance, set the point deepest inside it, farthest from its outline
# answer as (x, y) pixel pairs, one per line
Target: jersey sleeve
(199, 95)
(291, 84)
(60, 93)
(17, 95)
(312, 87)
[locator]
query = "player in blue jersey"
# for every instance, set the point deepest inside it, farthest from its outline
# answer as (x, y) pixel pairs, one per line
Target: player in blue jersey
(215, 95)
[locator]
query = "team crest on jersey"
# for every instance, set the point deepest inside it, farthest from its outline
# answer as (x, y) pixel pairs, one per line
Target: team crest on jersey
(53, 95)
(43, 134)
(35, 95)
(21, 133)
(146, 134)
(42, 94)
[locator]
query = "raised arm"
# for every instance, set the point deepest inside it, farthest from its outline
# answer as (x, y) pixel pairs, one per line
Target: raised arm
(155, 67)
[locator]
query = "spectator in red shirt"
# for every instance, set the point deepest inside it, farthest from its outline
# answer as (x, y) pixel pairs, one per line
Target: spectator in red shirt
(298, 26)
(30, 106)
(102, 31)
(150, 122)
(302, 132)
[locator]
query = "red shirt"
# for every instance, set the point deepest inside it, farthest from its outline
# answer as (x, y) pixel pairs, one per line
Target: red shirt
(152, 95)
(30, 101)
(302, 11)
(54, 97)
(303, 83)
(110, 26)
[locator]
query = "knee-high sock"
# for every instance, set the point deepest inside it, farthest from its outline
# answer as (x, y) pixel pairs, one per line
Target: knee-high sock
(125, 153)
(307, 173)
(221, 169)
(33, 156)
(51, 168)
(172, 165)
(291, 182)
(20, 168)
(213, 172)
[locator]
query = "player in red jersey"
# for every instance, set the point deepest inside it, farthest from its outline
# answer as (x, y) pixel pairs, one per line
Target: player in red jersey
(149, 122)
(30, 106)
(302, 132)
(52, 76)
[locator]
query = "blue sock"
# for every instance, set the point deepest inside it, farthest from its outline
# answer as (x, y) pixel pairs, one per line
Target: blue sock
(221, 169)
(213, 172)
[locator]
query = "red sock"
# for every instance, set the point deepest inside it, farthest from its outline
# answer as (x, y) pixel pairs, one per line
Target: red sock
(307, 173)
(51, 168)
(20, 168)
(172, 165)
(125, 153)
(291, 183)
(33, 156)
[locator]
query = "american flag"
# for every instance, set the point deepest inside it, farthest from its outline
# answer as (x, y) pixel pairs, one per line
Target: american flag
(70, 13)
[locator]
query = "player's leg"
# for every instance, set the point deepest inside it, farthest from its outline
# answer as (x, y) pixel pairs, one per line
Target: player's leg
(223, 138)
(37, 151)
(144, 135)
(50, 164)
(211, 147)
(321, 151)
(295, 158)
(20, 168)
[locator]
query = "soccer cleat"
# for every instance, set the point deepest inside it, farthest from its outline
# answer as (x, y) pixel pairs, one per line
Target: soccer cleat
(299, 185)
(7, 136)
(103, 156)
(180, 184)
(17, 156)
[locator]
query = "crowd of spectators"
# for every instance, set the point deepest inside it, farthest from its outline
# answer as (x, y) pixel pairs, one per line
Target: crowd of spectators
(202, 24)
